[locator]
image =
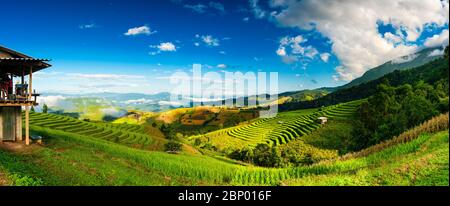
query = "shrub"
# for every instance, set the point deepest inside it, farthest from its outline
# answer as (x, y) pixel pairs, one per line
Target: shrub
(245, 154)
(266, 156)
(173, 147)
(298, 153)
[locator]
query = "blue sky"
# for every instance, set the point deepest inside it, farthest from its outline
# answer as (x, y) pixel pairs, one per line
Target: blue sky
(131, 46)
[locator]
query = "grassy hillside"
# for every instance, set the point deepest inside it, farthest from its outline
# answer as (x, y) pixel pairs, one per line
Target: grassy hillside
(419, 158)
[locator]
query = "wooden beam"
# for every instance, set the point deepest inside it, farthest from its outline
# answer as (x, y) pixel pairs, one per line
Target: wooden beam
(27, 125)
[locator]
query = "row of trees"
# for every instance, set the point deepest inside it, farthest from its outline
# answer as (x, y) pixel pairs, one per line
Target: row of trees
(393, 110)
(395, 107)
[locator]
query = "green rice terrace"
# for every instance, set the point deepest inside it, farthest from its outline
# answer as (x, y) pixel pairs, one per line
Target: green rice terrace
(416, 157)
(127, 134)
(283, 128)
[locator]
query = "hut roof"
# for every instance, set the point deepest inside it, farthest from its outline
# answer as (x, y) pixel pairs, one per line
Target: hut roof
(15, 62)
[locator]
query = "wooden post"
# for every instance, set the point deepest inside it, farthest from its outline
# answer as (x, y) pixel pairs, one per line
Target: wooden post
(31, 82)
(23, 76)
(22, 82)
(27, 125)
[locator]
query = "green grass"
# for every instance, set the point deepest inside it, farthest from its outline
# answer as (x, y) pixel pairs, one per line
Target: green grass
(71, 159)
(423, 161)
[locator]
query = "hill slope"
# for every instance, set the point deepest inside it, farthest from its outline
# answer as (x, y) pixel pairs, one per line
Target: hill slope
(429, 73)
(403, 63)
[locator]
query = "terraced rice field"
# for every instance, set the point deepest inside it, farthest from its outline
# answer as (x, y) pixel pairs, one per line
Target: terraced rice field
(126, 134)
(285, 126)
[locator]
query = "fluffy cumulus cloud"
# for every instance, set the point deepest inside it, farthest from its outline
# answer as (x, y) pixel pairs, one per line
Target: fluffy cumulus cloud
(292, 49)
(143, 30)
(352, 27)
(163, 47)
(438, 39)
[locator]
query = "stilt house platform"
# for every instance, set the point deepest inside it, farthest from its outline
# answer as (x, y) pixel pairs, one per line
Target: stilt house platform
(15, 96)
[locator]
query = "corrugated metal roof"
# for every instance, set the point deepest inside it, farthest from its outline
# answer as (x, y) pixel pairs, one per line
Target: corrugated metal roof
(23, 59)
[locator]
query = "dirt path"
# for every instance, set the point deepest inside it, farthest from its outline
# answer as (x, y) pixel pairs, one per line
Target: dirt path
(17, 147)
(3, 180)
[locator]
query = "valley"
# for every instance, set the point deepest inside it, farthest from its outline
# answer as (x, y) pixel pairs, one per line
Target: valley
(391, 130)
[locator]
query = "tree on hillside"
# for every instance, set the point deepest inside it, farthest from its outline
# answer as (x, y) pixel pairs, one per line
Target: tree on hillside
(45, 109)
(393, 110)
(32, 109)
(266, 156)
(446, 52)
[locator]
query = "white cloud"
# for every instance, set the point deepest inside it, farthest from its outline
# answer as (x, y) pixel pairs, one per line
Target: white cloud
(438, 39)
(208, 40)
(342, 75)
(143, 30)
(167, 46)
(218, 6)
(112, 111)
(437, 52)
(395, 39)
(222, 66)
(163, 47)
(325, 57)
(103, 76)
(281, 51)
(139, 101)
(169, 103)
(222, 52)
(352, 27)
(87, 26)
(246, 19)
(292, 49)
(257, 11)
(404, 59)
(202, 8)
(198, 8)
(51, 101)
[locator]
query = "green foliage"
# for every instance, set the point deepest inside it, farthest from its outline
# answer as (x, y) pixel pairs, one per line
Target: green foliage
(32, 109)
(393, 110)
(173, 147)
(266, 156)
(297, 153)
(446, 52)
(18, 180)
(45, 109)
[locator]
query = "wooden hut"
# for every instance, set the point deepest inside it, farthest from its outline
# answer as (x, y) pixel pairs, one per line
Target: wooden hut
(14, 97)
(322, 120)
